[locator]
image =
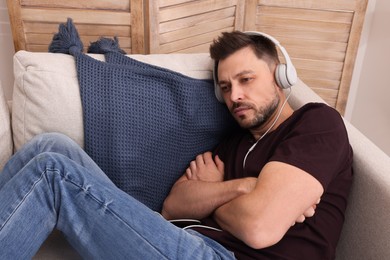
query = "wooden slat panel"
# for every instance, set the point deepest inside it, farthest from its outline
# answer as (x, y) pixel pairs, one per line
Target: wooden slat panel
(193, 8)
(84, 29)
(39, 39)
(329, 95)
(322, 83)
(320, 74)
(202, 48)
(315, 45)
(318, 65)
(189, 42)
(124, 42)
(123, 5)
(313, 4)
(304, 34)
(36, 48)
(43, 48)
(306, 14)
(80, 16)
(45, 39)
(299, 24)
(310, 54)
(165, 3)
(197, 19)
(196, 30)
(181, 25)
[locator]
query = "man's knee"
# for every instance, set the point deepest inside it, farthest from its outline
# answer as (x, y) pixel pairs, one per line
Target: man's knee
(53, 142)
(51, 137)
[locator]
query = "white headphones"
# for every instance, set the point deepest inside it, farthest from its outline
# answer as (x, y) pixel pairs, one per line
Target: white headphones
(285, 74)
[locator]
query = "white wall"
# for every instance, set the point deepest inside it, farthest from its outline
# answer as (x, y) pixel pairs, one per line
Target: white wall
(368, 105)
(6, 51)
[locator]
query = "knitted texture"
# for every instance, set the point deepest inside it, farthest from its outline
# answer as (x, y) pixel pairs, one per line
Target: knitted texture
(143, 124)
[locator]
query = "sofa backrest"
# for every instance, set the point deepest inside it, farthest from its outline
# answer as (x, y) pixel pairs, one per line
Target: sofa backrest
(366, 231)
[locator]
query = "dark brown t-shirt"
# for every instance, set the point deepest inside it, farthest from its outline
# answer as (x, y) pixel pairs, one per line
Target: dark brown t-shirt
(315, 140)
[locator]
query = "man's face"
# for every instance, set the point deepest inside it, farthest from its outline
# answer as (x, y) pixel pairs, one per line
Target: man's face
(248, 88)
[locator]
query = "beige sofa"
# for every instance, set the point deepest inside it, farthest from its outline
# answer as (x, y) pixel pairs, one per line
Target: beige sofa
(46, 98)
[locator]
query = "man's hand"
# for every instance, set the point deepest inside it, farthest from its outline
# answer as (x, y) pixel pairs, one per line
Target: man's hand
(202, 189)
(262, 217)
(205, 168)
(307, 214)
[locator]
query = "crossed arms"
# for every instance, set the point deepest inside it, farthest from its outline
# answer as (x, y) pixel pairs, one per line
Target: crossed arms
(258, 211)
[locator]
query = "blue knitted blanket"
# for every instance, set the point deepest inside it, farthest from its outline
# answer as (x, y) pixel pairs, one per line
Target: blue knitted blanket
(142, 124)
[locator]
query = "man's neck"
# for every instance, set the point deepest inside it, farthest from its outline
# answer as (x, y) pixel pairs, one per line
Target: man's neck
(286, 112)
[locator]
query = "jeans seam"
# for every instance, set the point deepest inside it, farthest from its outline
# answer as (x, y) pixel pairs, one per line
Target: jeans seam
(106, 206)
(23, 199)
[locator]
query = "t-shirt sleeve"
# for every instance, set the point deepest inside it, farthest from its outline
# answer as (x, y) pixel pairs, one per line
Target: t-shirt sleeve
(318, 145)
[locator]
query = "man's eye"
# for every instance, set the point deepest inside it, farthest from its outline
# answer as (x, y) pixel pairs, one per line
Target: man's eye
(224, 88)
(246, 79)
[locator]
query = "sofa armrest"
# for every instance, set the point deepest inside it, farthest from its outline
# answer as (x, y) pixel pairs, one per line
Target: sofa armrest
(366, 232)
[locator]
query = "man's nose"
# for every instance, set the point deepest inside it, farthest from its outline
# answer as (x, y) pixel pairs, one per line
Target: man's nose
(236, 93)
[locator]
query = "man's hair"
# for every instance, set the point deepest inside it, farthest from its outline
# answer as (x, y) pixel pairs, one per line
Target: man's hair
(230, 42)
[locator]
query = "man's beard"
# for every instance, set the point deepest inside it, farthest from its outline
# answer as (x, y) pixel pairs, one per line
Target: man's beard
(262, 115)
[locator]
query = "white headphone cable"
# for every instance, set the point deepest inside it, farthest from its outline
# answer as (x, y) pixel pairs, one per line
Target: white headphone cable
(266, 132)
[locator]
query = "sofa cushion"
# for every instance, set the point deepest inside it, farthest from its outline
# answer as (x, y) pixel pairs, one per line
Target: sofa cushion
(46, 97)
(6, 146)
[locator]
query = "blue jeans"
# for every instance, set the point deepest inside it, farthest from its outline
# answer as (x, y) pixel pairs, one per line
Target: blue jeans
(51, 183)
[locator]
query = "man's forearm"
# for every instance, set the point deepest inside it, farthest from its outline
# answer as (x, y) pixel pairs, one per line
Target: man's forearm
(198, 199)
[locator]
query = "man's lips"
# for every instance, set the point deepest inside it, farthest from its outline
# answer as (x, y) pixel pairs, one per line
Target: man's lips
(241, 110)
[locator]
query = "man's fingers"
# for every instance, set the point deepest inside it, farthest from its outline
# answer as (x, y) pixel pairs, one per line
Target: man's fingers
(208, 158)
(309, 212)
(220, 164)
(300, 219)
(193, 166)
(189, 173)
(199, 160)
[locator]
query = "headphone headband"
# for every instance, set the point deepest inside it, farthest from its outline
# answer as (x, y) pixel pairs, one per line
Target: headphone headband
(285, 73)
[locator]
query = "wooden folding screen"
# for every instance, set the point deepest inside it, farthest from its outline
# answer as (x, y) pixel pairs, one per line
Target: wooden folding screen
(35, 21)
(190, 26)
(321, 37)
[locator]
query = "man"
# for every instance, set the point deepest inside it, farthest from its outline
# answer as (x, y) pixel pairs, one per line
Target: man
(280, 164)
(249, 196)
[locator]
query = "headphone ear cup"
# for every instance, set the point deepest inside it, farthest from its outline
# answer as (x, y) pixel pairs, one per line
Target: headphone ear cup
(218, 93)
(217, 90)
(281, 76)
